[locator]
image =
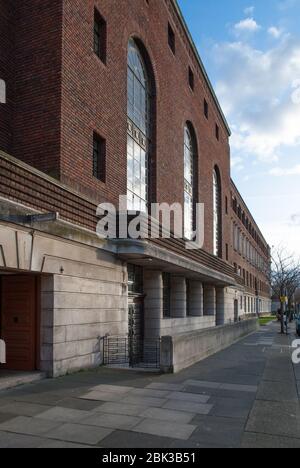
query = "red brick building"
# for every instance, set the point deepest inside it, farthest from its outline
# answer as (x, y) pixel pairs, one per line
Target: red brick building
(107, 98)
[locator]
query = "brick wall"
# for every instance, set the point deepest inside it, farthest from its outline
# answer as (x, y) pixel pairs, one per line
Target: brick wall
(6, 72)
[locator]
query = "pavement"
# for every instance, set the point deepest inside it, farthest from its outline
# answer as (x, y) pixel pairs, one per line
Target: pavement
(246, 396)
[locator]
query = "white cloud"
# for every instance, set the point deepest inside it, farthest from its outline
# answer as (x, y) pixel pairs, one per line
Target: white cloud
(247, 25)
(260, 93)
(249, 10)
(283, 172)
(275, 32)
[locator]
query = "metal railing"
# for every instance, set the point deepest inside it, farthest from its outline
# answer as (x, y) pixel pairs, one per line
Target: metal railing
(132, 352)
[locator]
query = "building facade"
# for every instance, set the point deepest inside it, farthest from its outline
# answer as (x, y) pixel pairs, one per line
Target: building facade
(106, 99)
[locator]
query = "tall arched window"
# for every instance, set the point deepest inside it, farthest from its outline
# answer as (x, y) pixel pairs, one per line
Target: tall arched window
(217, 213)
(138, 135)
(190, 152)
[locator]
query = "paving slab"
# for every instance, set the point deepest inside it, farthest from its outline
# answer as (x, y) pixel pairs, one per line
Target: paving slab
(48, 399)
(231, 408)
(28, 426)
(252, 440)
(167, 415)
(277, 391)
(151, 393)
(166, 386)
(15, 441)
(112, 421)
(6, 417)
(191, 397)
(144, 401)
(127, 440)
(21, 409)
(63, 415)
(120, 389)
(57, 444)
(202, 384)
(188, 406)
(239, 388)
(121, 408)
(218, 432)
(79, 404)
(275, 418)
(102, 396)
(165, 429)
(79, 433)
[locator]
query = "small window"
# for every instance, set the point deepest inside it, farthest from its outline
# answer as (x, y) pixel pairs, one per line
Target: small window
(227, 252)
(171, 39)
(99, 158)
(135, 279)
(100, 36)
(166, 277)
(217, 132)
(206, 109)
(191, 79)
(226, 205)
(188, 297)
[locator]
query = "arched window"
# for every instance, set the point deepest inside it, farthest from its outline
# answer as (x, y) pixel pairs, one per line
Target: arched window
(190, 153)
(138, 135)
(217, 213)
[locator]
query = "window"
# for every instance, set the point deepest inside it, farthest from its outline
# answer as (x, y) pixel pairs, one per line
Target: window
(99, 157)
(217, 132)
(206, 109)
(227, 252)
(166, 277)
(138, 135)
(189, 182)
(217, 213)
(191, 79)
(135, 279)
(188, 297)
(171, 39)
(226, 205)
(99, 36)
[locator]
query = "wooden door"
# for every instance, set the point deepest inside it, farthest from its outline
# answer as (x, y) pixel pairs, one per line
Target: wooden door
(18, 321)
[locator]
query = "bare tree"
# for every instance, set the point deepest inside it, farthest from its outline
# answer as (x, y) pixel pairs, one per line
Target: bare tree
(285, 277)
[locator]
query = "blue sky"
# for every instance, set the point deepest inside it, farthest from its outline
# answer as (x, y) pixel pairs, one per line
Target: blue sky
(251, 50)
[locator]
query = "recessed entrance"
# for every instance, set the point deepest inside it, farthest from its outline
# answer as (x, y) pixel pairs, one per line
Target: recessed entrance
(19, 322)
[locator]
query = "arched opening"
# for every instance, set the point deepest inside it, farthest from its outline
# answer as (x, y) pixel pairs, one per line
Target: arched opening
(190, 180)
(140, 116)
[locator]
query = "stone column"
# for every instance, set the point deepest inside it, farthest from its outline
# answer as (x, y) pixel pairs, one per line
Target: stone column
(153, 305)
(196, 299)
(209, 299)
(220, 302)
(178, 297)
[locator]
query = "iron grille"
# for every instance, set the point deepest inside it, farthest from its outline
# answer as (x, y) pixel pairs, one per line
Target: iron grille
(132, 352)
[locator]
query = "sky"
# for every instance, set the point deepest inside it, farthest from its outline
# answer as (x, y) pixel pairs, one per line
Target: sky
(251, 51)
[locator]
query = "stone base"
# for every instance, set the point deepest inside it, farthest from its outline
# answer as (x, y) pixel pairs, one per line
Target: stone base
(182, 351)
